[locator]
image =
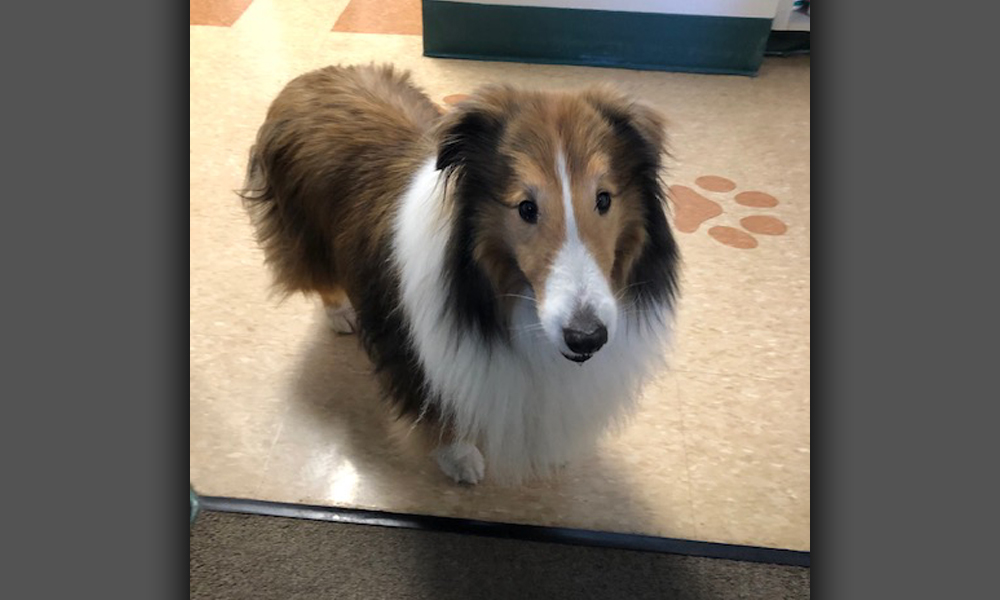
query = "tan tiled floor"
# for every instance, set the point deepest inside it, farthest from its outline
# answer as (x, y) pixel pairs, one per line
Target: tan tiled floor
(283, 410)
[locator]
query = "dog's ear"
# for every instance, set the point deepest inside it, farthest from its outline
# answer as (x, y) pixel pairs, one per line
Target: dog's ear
(635, 121)
(471, 130)
(641, 143)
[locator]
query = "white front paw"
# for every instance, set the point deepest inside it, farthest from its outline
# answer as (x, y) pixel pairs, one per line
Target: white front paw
(462, 462)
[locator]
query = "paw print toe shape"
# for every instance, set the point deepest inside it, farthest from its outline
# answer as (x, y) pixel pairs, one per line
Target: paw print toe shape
(693, 207)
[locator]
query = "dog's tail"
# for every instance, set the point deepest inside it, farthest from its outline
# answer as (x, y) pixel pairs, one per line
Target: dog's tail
(255, 183)
(260, 201)
(297, 254)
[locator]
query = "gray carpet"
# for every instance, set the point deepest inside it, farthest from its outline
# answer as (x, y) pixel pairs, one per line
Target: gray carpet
(248, 557)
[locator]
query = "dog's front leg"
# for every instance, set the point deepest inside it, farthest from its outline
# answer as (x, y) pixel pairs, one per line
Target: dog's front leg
(461, 461)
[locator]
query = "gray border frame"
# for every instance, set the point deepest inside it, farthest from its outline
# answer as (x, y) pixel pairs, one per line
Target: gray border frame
(95, 246)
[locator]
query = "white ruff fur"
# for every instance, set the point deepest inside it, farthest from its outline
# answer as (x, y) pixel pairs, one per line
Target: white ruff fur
(528, 408)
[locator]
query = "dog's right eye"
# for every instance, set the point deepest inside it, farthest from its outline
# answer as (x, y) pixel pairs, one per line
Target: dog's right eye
(528, 211)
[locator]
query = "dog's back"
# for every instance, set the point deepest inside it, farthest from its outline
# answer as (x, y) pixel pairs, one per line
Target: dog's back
(339, 145)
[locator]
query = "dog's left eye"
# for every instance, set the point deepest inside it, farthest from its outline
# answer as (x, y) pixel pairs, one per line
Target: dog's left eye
(603, 202)
(528, 211)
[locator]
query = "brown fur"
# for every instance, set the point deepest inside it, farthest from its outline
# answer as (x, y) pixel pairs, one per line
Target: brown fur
(538, 127)
(340, 145)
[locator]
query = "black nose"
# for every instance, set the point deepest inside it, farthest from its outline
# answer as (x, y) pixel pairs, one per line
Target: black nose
(586, 342)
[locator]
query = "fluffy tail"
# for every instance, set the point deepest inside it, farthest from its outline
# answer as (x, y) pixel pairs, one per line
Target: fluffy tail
(295, 249)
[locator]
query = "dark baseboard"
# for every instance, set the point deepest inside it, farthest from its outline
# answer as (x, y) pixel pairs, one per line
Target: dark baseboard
(787, 43)
(536, 533)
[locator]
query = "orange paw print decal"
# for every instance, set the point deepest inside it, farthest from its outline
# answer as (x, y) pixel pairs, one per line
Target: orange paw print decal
(451, 100)
(692, 208)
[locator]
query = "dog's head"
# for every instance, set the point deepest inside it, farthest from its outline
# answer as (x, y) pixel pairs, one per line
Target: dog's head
(560, 195)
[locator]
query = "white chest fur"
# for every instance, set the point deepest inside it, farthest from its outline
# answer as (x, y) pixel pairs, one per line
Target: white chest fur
(527, 407)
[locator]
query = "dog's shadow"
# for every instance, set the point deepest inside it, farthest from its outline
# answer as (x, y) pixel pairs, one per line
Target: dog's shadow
(339, 396)
(337, 393)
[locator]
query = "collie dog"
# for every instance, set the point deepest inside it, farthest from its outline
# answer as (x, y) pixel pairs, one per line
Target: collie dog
(508, 265)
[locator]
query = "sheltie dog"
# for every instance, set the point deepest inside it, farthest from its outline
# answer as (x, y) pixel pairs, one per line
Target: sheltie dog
(508, 264)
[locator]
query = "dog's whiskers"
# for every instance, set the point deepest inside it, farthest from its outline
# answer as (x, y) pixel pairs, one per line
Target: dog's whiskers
(533, 301)
(621, 293)
(527, 329)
